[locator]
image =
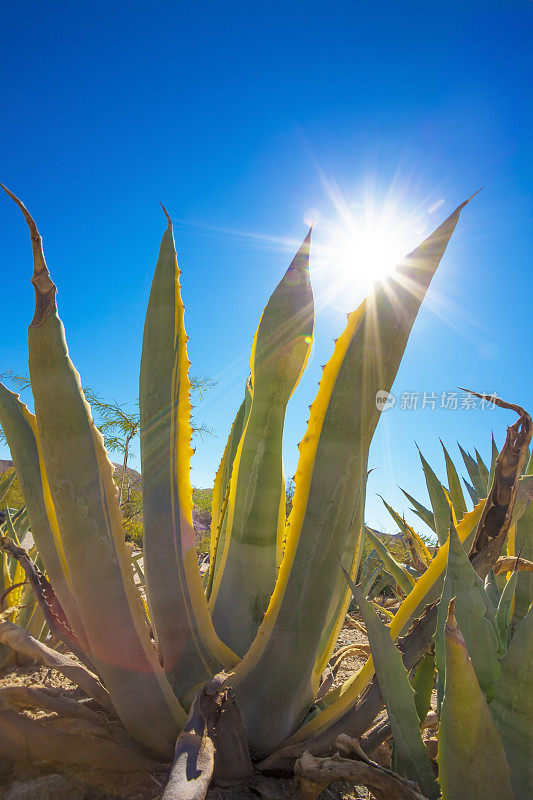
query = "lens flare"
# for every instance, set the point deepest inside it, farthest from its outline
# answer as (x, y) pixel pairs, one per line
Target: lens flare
(363, 245)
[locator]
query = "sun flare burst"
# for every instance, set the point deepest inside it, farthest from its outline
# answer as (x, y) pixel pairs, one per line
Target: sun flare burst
(363, 245)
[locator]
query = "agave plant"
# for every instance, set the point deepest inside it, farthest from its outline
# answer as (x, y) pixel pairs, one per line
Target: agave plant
(275, 597)
(413, 551)
(18, 602)
(485, 734)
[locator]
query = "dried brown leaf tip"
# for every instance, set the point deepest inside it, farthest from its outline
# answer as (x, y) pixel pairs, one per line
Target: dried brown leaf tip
(496, 517)
(167, 215)
(451, 622)
(45, 289)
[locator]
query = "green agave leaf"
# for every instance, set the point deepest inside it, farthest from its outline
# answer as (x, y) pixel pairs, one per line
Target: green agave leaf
(340, 598)
(13, 564)
(474, 614)
(420, 510)
(524, 583)
(483, 472)
(255, 513)
(7, 479)
(454, 485)
(512, 707)
(188, 645)
(412, 760)
(407, 530)
(422, 682)
(223, 475)
(471, 758)
(439, 501)
(472, 492)
(368, 582)
(328, 503)
(220, 496)
(21, 523)
(472, 467)
(524, 497)
(494, 455)
(404, 580)
(20, 428)
(85, 500)
(524, 545)
(505, 611)
(491, 590)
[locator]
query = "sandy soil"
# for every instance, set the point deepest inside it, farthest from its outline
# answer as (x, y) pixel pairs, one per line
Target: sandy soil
(49, 782)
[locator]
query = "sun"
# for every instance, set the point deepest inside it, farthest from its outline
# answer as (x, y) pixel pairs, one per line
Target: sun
(362, 245)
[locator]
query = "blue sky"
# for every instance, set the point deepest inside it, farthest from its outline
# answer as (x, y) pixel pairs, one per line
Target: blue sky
(246, 119)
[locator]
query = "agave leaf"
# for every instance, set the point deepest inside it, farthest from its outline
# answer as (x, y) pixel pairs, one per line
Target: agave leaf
(255, 512)
(190, 650)
(475, 498)
(524, 543)
(474, 614)
(404, 580)
(20, 428)
(422, 682)
(424, 513)
(483, 471)
(412, 760)
(218, 537)
(220, 490)
(368, 582)
(7, 479)
(524, 497)
(439, 501)
(16, 573)
(23, 738)
(418, 542)
(501, 499)
(223, 473)
(491, 590)
(493, 456)
(340, 600)
(21, 523)
(22, 642)
(505, 610)
(327, 501)
(524, 584)
(85, 499)
(472, 467)
(512, 707)
(472, 762)
(337, 702)
(454, 484)
(31, 617)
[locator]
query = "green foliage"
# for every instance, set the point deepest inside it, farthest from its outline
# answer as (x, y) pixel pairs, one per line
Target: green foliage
(475, 617)
(471, 759)
(412, 760)
(13, 497)
(202, 499)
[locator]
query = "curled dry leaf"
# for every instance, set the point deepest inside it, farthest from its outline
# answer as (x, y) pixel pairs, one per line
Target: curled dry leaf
(26, 739)
(383, 784)
(51, 607)
(497, 513)
(510, 563)
(46, 699)
(20, 640)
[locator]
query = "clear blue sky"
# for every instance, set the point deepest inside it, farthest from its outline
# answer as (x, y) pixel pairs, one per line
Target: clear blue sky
(239, 116)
